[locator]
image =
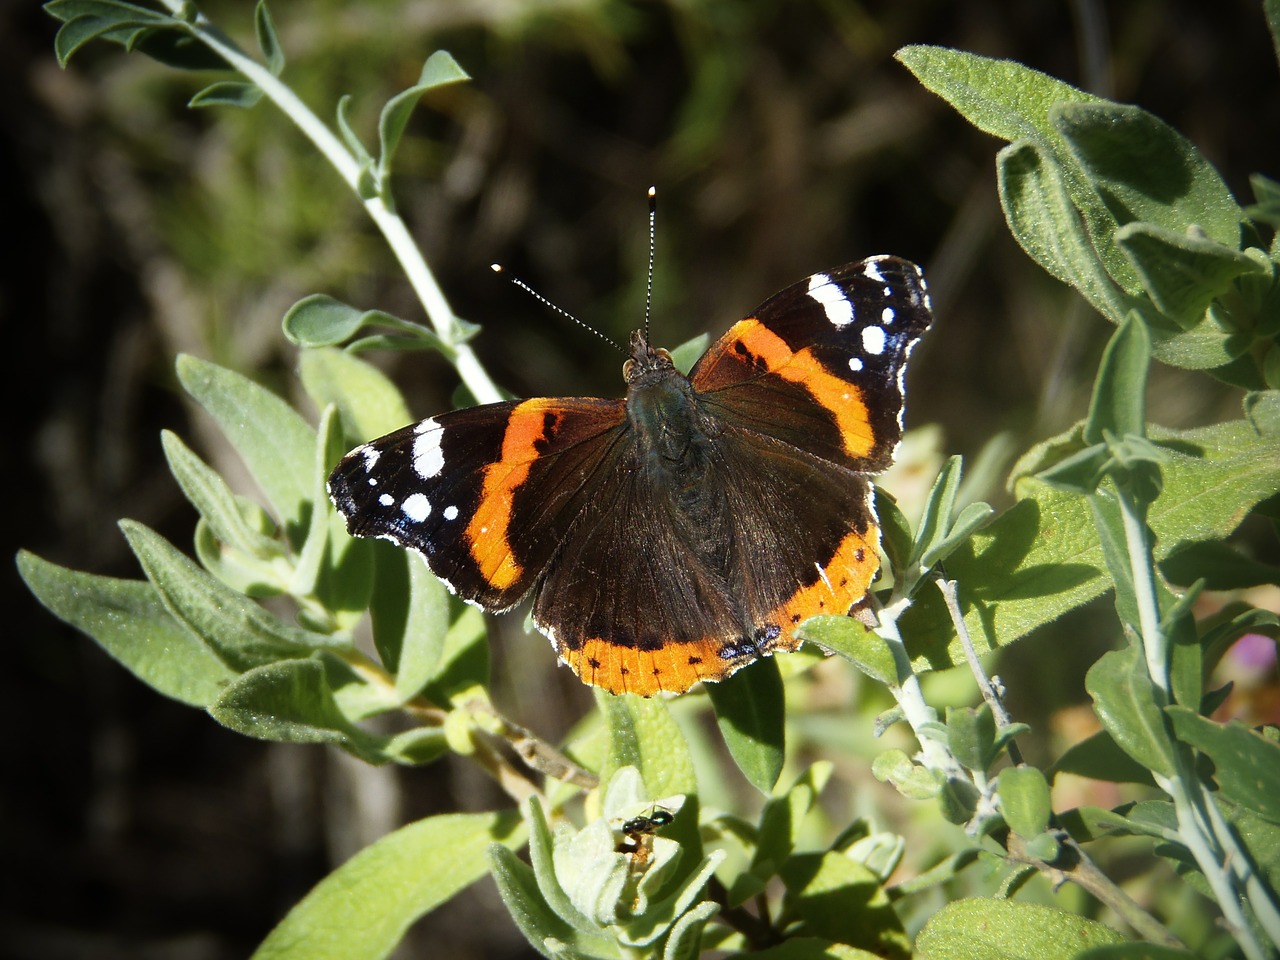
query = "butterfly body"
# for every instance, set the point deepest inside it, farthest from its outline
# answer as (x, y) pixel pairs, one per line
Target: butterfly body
(680, 533)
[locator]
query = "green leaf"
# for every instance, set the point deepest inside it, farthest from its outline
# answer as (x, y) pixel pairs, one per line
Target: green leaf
(689, 352)
(1043, 217)
(1041, 557)
(1134, 951)
(292, 701)
(1008, 930)
(80, 30)
(750, 711)
(440, 70)
(1001, 97)
(1119, 393)
(518, 888)
(1025, 801)
(781, 819)
(214, 501)
(367, 401)
(464, 664)
(1246, 764)
(1099, 757)
(227, 93)
(971, 735)
(1183, 273)
(810, 948)
(848, 638)
(362, 909)
(1124, 699)
(268, 40)
(643, 735)
(909, 778)
(321, 321)
(236, 628)
(541, 856)
(1267, 194)
(307, 569)
(274, 441)
(358, 150)
(838, 899)
(130, 622)
(413, 646)
(1147, 171)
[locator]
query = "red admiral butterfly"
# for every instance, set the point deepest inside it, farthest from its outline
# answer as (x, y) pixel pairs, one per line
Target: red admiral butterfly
(683, 532)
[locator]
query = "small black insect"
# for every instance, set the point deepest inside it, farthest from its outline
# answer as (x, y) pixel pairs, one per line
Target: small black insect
(637, 833)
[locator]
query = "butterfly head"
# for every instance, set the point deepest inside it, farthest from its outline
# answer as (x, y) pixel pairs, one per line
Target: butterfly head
(646, 364)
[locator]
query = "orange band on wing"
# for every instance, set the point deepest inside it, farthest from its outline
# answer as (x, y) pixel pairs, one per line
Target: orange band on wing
(840, 398)
(487, 533)
(672, 669)
(843, 582)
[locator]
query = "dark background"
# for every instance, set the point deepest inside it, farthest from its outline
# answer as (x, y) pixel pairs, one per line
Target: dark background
(783, 138)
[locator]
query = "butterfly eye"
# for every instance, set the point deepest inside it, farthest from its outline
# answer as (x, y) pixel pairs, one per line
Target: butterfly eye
(626, 370)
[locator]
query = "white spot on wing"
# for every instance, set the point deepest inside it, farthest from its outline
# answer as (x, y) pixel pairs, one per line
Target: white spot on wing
(371, 455)
(835, 304)
(872, 270)
(855, 364)
(451, 512)
(874, 340)
(823, 574)
(887, 315)
(428, 457)
(416, 507)
(386, 499)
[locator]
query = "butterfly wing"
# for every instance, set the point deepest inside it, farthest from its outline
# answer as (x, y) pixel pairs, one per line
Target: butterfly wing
(653, 592)
(819, 366)
(450, 487)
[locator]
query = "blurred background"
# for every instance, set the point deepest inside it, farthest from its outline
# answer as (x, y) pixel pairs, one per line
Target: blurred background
(783, 139)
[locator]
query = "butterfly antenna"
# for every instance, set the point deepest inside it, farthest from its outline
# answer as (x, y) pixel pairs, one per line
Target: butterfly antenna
(497, 268)
(648, 291)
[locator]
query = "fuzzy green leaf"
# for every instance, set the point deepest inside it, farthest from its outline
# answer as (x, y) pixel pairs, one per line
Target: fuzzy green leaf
(1025, 801)
(241, 632)
(781, 819)
(1181, 273)
(518, 888)
(848, 638)
(274, 441)
(1041, 557)
(367, 401)
(440, 70)
(1246, 764)
(362, 910)
(1146, 171)
(264, 29)
(644, 735)
(227, 93)
(292, 701)
(836, 898)
(1119, 393)
(1124, 699)
(750, 708)
(1044, 219)
(214, 501)
(129, 621)
(1008, 930)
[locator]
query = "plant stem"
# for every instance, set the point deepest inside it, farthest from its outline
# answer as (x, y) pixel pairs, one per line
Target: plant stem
(1195, 809)
(393, 228)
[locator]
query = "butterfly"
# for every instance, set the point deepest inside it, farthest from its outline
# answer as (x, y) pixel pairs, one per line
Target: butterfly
(684, 531)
